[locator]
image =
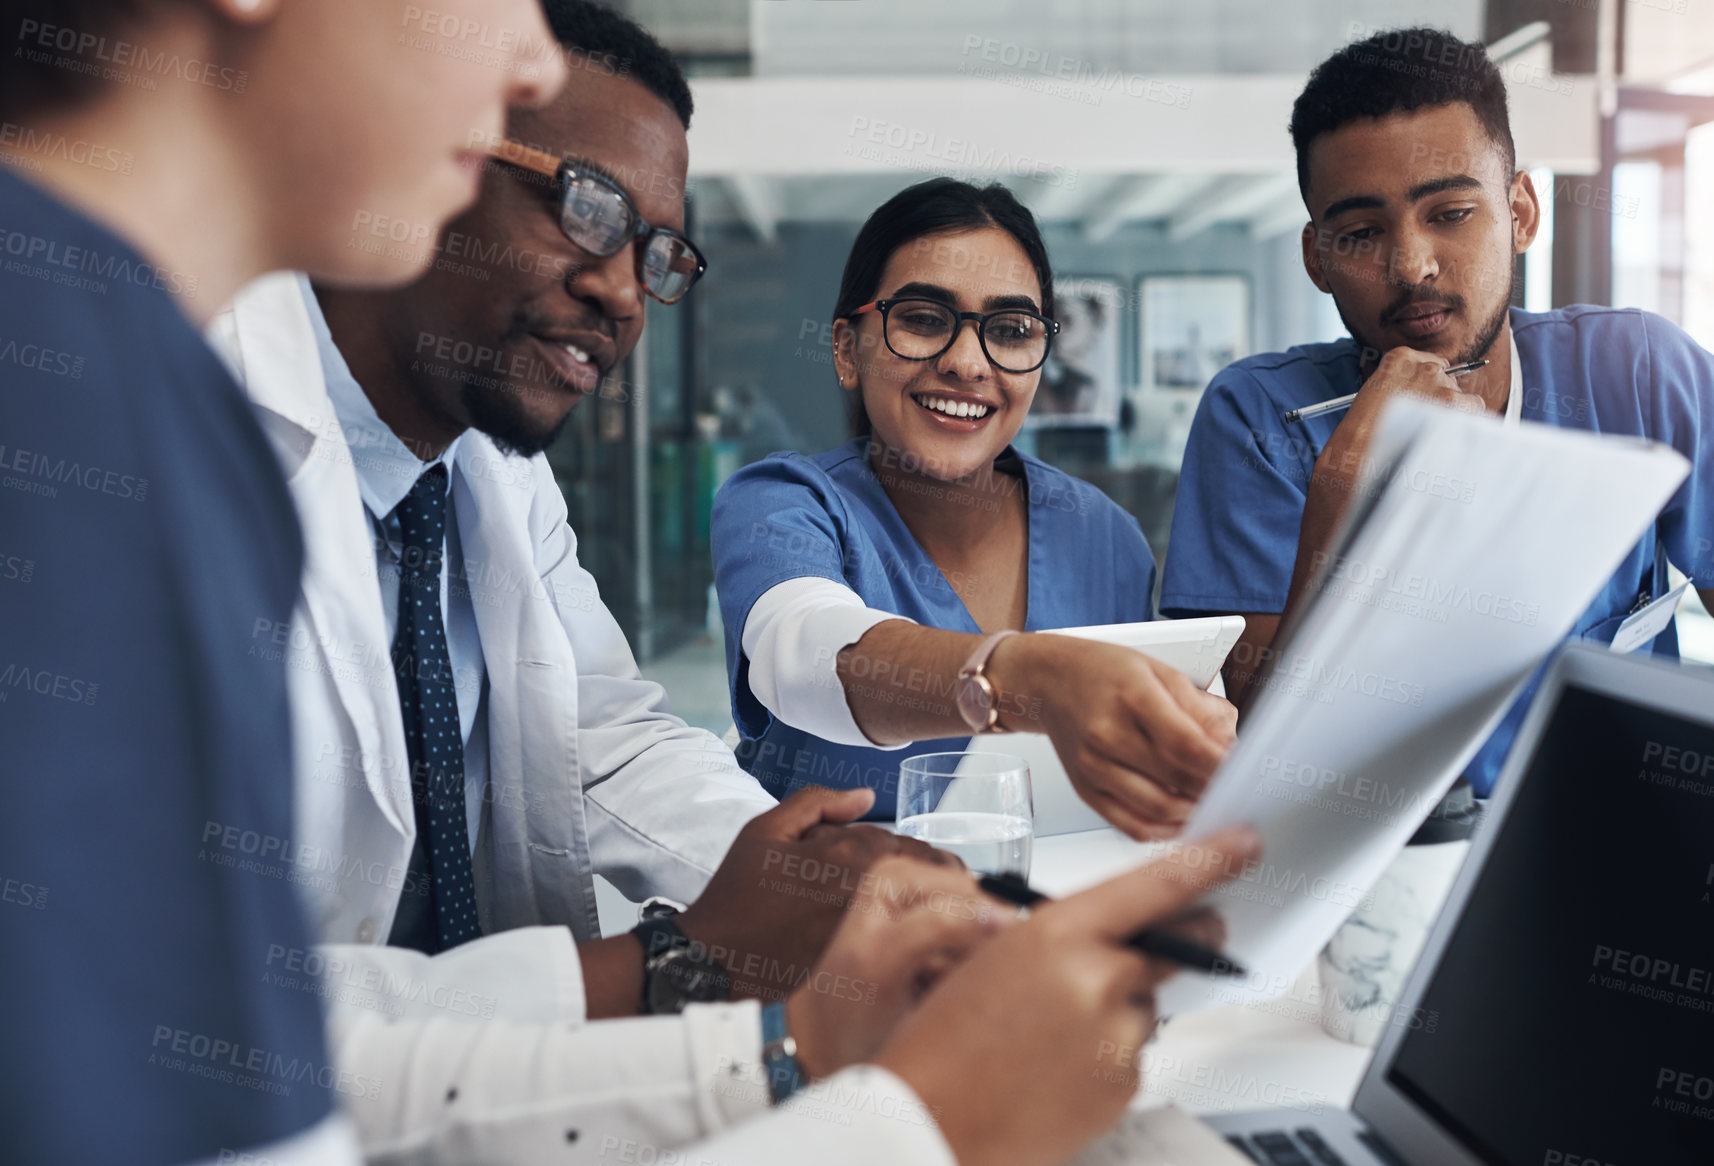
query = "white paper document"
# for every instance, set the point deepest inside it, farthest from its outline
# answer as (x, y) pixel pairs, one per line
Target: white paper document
(1465, 557)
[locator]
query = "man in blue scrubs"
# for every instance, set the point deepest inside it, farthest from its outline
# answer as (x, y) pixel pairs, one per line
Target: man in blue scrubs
(1417, 210)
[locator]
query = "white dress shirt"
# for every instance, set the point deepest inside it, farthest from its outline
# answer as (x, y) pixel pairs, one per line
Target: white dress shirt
(1514, 413)
(386, 471)
(858, 1117)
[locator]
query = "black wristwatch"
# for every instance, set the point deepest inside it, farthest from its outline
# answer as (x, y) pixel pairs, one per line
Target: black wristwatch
(676, 970)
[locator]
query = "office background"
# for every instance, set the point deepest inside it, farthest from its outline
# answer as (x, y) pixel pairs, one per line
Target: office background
(1148, 136)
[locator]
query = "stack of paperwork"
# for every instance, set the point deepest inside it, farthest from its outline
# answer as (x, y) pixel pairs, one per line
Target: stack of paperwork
(1465, 557)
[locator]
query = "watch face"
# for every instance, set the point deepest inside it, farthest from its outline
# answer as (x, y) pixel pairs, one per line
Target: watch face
(677, 978)
(973, 703)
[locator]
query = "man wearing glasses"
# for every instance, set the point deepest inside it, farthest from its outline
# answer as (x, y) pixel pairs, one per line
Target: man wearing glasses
(473, 738)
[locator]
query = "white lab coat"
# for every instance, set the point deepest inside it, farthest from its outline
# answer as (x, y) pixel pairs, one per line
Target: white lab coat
(588, 771)
(482, 1053)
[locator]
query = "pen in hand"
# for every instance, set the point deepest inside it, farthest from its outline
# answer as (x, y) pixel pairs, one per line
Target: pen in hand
(1295, 415)
(1150, 941)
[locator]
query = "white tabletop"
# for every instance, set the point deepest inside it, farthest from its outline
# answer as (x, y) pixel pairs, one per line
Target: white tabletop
(1221, 1059)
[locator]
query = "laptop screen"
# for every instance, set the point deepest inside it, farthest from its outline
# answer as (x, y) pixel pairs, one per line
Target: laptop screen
(1573, 1006)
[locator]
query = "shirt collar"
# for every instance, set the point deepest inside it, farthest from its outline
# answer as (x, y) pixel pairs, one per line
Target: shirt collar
(1515, 400)
(386, 467)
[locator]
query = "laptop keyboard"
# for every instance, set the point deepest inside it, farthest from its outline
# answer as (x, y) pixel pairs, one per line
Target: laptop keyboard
(1302, 1147)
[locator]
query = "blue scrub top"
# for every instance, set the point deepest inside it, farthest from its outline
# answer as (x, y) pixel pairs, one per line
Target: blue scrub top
(148, 546)
(789, 516)
(1605, 370)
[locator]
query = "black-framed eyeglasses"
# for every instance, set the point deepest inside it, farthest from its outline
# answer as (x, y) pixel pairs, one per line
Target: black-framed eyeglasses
(597, 215)
(1013, 339)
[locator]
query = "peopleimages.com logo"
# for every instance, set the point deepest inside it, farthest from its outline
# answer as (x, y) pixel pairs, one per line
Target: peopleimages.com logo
(39, 473)
(116, 59)
(64, 263)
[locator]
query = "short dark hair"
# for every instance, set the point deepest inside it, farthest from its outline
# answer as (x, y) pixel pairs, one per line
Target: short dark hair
(36, 79)
(939, 206)
(598, 31)
(1400, 70)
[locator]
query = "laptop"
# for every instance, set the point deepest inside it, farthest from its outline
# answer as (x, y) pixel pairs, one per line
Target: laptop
(1196, 647)
(1562, 1010)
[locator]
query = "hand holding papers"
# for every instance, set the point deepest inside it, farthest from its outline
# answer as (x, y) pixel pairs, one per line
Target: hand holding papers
(1448, 583)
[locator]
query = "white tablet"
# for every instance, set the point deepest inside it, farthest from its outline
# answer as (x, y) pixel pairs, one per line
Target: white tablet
(1196, 647)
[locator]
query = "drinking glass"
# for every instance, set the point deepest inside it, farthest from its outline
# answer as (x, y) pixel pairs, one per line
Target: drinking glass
(975, 805)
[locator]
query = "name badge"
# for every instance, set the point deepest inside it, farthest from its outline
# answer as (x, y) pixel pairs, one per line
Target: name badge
(1648, 623)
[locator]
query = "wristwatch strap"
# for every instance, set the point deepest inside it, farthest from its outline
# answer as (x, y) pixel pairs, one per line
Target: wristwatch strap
(658, 934)
(975, 671)
(779, 1054)
(657, 905)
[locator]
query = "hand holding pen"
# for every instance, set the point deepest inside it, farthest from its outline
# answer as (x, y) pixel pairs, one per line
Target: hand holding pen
(1149, 941)
(1293, 416)
(1031, 1045)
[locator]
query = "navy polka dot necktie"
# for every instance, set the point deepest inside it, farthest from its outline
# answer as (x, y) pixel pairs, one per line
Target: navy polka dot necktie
(429, 702)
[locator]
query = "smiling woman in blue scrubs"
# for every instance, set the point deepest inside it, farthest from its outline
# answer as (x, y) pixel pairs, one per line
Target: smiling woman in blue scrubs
(857, 585)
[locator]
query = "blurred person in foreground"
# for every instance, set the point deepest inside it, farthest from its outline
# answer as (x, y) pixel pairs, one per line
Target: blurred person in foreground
(159, 156)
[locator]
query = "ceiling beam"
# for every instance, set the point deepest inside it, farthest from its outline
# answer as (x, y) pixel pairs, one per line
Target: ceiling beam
(1237, 197)
(1288, 216)
(839, 125)
(1146, 196)
(861, 124)
(1074, 202)
(1516, 41)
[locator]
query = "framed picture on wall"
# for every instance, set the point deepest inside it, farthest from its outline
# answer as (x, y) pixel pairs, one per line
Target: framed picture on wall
(1192, 327)
(1080, 381)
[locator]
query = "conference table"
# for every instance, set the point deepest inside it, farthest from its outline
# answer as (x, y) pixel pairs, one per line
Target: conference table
(1232, 1057)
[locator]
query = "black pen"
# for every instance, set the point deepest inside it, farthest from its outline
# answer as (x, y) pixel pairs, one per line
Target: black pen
(1295, 415)
(1163, 944)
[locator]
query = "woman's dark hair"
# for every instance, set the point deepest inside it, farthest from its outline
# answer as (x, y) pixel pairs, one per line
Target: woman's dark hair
(939, 206)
